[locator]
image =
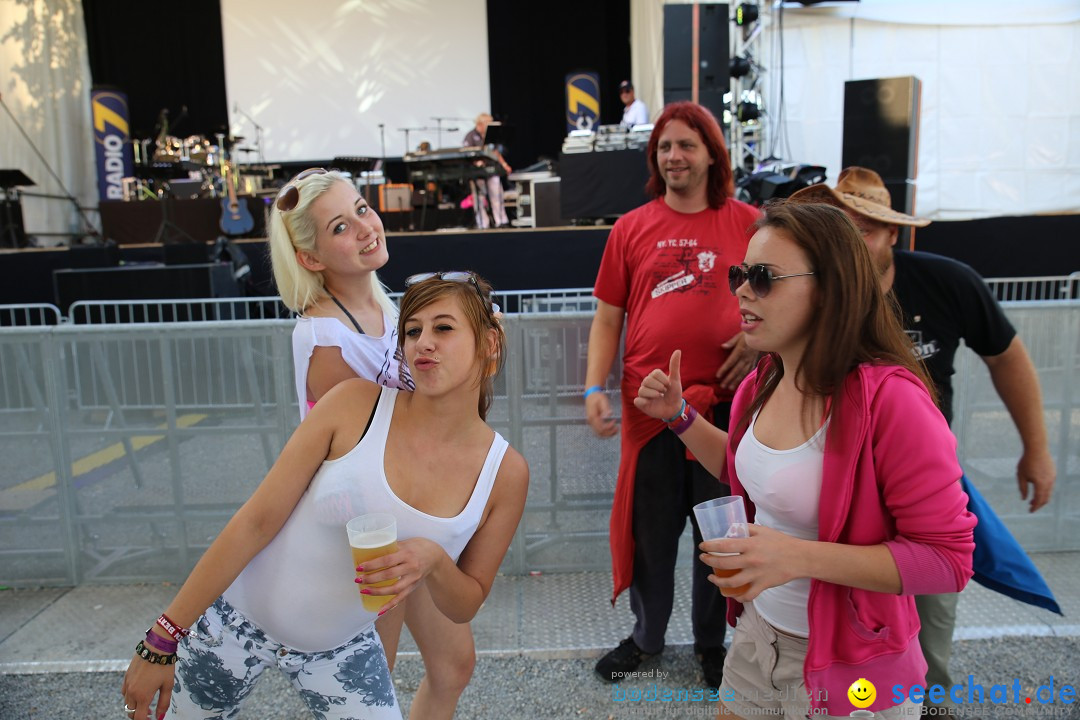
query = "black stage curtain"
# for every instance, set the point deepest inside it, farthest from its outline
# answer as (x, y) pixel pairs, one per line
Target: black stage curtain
(1029, 246)
(163, 55)
(531, 49)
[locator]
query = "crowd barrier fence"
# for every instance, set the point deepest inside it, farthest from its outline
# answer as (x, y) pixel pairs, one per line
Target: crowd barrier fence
(128, 446)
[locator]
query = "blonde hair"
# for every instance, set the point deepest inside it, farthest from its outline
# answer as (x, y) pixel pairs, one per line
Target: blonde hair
(293, 230)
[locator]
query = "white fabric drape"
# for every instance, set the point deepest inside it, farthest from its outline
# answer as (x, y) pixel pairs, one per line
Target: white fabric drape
(1000, 120)
(45, 85)
(647, 53)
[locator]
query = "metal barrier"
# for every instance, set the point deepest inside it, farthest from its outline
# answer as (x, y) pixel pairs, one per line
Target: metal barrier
(130, 492)
(563, 300)
(104, 312)
(1024, 289)
(29, 315)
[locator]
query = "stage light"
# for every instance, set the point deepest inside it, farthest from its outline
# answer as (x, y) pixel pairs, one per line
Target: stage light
(745, 14)
(748, 111)
(739, 66)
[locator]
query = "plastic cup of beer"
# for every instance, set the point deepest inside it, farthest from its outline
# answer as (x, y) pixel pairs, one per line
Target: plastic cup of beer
(723, 517)
(371, 536)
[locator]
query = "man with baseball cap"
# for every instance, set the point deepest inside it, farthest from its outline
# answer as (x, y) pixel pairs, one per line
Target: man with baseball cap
(635, 112)
(945, 301)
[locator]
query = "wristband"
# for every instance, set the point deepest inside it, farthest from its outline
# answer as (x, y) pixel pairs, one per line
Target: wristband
(156, 642)
(676, 416)
(176, 632)
(688, 419)
(152, 657)
(589, 391)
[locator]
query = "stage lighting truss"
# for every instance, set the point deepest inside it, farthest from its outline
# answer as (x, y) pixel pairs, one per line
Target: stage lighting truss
(745, 106)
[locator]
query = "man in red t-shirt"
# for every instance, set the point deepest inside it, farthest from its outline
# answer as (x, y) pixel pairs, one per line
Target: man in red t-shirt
(665, 269)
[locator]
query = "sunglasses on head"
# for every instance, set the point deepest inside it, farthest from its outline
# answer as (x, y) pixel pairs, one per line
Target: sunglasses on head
(759, 276)
(289, 196)
(458, 276)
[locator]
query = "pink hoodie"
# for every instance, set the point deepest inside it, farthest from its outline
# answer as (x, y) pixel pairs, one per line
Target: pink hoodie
(890, 476)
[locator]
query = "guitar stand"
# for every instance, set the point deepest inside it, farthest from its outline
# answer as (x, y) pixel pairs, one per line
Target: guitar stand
(169, 232)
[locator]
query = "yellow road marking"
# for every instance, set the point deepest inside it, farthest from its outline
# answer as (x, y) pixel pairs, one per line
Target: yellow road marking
(42, 484)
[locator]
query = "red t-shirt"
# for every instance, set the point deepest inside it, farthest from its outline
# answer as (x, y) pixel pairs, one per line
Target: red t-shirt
(669, 270)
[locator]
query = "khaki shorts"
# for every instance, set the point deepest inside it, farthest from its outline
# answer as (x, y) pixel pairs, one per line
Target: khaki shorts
(763, 674)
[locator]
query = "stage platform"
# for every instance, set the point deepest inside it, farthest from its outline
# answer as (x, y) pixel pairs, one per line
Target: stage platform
(512, 259)
(529, 258)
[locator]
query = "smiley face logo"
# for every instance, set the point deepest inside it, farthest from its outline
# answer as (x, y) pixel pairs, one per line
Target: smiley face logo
(862, 693)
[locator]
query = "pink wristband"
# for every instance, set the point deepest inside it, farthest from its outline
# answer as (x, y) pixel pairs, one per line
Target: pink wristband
(685, 420)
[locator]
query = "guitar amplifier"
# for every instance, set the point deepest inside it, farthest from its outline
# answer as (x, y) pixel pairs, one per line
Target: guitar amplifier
(395, 197)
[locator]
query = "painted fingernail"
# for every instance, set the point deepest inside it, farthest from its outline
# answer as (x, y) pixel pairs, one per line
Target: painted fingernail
(381, 612)
(359, 568)
(359, 578)
(161, 716)
(365, 591)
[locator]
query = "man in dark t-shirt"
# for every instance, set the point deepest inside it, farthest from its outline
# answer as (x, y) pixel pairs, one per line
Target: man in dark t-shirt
(944, 301)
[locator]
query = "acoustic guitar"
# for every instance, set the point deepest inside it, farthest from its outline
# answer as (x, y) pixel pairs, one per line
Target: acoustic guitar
(236, 219)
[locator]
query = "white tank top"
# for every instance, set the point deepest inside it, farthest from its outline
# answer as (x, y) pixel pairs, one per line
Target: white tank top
(785, 486)
(299, 589)
(371, 358)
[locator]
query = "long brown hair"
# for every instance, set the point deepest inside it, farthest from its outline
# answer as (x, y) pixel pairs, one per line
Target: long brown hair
(721, 183)
(854, 322)
(478, 313)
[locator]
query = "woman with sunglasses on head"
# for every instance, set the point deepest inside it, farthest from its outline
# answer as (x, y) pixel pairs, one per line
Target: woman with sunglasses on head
(276, 587)
(326, 244)
(849, 474)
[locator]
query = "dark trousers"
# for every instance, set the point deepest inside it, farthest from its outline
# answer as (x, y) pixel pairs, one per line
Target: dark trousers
(666, 488)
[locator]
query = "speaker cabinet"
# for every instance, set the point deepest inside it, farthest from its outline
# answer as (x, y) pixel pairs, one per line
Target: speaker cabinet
(696, 39)
(881, 132)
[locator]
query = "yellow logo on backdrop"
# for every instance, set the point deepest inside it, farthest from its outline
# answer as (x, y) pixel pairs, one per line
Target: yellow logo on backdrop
(103, 114)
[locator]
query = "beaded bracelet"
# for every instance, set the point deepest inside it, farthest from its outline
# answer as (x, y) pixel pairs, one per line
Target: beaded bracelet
(589, 391)
(152, 657)
(176, 632)
(159, 643)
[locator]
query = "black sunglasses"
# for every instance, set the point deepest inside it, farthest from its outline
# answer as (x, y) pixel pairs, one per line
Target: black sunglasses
(760, 278)
(289, 196)
(459, 276)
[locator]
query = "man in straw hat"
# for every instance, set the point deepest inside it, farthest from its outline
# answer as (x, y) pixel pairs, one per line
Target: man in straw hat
(944, 301)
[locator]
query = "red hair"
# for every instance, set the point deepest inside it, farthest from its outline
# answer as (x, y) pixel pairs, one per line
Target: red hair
(721, 184)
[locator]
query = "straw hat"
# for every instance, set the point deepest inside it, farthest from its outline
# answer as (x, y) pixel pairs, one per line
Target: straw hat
(863, 191)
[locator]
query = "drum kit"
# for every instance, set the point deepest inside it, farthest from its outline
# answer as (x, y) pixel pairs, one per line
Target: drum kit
(170, 165)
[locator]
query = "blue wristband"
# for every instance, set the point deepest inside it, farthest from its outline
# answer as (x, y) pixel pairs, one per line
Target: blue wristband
(589, 391)
(677, 415)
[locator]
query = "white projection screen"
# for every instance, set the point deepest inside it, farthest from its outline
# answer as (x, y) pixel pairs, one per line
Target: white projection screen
(320, 76)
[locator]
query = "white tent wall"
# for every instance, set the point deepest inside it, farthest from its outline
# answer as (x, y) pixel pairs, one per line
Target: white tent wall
(1000, 117)
(46, 89)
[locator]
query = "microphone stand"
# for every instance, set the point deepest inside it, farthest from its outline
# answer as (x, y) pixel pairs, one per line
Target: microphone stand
(88, 226)
(258, 134)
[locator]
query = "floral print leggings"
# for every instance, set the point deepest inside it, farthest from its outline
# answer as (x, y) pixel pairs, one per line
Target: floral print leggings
(226, 654)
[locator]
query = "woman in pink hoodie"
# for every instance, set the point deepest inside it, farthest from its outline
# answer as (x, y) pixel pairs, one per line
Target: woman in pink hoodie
(848, 471)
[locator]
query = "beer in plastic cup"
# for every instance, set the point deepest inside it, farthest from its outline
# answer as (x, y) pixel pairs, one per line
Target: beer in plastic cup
(723, 517)
(371, 536)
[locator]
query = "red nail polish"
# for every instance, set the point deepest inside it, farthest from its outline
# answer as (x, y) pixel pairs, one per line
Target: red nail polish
(365, 591)
(359, 568)
(382, 611)
(161, 716)
(357, 580)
